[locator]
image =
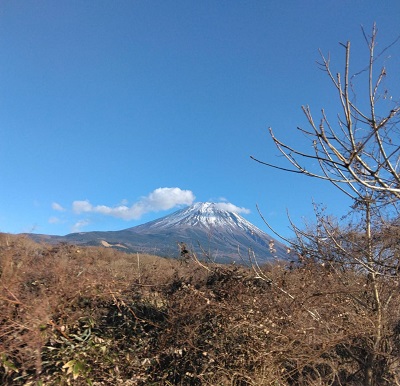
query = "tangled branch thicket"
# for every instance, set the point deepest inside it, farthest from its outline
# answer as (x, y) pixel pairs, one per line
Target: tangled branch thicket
(81, 316)
(358, 153)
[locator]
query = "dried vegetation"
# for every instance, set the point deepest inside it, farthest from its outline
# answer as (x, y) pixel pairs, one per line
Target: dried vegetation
(95, 316)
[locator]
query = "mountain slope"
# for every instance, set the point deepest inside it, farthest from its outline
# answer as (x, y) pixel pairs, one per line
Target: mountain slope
(206, 228)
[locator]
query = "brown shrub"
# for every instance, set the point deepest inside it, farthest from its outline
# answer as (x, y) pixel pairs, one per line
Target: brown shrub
(96, 316)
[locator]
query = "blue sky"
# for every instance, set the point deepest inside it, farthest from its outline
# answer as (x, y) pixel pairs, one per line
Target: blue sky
(114, 113)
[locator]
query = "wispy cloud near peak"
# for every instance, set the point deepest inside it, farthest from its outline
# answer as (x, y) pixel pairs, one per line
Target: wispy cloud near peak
(79, 225)
(56, 206)
(232, 207)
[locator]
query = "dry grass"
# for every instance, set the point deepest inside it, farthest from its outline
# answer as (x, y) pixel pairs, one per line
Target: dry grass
(95, 316)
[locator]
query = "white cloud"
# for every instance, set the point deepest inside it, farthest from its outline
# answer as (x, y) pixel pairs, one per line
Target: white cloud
(80, 224)
(54, 220)
(159, 199)
(56, 206)
(82, 206)
(231, 207)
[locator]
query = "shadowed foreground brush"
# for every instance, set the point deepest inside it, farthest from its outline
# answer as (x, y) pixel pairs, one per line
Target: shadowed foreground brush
(87, 316)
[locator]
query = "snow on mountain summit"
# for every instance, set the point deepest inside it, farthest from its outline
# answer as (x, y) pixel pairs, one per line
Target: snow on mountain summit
(205, 215)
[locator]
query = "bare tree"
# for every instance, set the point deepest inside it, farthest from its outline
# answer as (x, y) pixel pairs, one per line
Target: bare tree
(360, 155)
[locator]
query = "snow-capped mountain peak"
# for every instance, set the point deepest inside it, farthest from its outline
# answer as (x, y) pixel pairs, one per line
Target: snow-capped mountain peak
(210, 224)
(200, 213)
(203, 214)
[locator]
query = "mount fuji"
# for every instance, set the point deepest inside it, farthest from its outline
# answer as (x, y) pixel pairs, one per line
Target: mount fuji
(207, 229)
